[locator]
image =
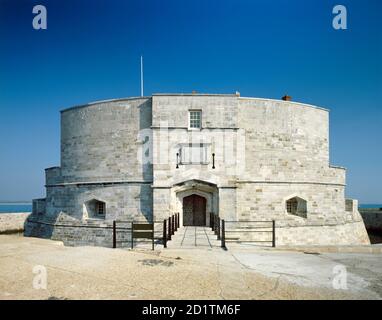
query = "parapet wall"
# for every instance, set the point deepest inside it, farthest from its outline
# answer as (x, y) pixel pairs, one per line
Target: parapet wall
(71, 232)
(341, 234)
(286, 141)
(101, 142)
(12, 222)
(53, 175)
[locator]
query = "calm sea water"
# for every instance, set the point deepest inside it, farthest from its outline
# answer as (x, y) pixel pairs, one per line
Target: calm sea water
(17, 207)
(370, 206)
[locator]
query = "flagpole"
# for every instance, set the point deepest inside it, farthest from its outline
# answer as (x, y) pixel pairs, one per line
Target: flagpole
(141, 76)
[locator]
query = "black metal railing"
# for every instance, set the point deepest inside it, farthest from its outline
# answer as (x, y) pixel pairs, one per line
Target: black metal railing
(170, 226)
(122, 231)
(224, 230)
(127, 233)
(215, 223)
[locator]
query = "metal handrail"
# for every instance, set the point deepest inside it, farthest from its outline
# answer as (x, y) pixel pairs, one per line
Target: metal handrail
(71, 225)
(219, 227)
(170, 226)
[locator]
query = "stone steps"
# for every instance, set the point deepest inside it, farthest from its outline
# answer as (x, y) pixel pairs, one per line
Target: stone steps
(192, 237)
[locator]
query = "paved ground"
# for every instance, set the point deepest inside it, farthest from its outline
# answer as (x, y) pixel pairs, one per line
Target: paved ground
(181, 273)
(199, 237)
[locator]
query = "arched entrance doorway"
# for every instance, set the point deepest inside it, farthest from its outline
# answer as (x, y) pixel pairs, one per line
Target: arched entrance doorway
(194, 210)
(209, 202)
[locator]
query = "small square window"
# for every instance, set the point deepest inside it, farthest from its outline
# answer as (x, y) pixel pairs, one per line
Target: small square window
(100, 208)
(195, 119)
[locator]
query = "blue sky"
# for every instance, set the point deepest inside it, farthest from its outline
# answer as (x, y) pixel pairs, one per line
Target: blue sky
(91, 50)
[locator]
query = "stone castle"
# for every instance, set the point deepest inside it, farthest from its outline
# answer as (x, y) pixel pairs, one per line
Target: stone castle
(245, 159)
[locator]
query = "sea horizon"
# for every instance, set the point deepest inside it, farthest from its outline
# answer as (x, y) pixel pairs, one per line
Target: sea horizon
(15, 202)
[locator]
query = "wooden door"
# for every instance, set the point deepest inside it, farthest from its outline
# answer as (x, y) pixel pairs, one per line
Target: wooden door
(194, 211)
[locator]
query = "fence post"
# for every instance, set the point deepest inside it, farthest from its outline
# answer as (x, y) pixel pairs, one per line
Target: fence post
(273, 233)
(153, 235)
(218, 227)
(178, 220)
(164, 234)
(169, 228)
(132, 234)
(173, 224)
(114, 235)
(223, 233)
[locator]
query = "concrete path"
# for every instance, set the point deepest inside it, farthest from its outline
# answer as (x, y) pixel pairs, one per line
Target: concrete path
(194, 237)
(353, 272)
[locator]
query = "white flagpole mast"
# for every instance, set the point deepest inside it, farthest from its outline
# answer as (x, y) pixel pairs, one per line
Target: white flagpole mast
(141, 76)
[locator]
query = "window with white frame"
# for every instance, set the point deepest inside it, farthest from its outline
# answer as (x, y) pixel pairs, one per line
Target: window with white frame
(100, 208)
(195, 119)
(94, 209)
(193, 153)
(297, 206)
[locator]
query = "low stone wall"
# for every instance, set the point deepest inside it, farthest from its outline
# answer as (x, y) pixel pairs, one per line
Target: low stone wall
(372, 218)
(352, 233)
(73, 232)
(84, 235)
(12, 222)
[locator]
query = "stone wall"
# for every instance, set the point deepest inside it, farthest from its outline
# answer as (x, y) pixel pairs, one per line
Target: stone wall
(353, 233)
(100, 148)
(12, 222)
(219, 133)
(279, 150)
(74, 232)
(218, 111)
(266, 201)
(286, 141)
(123, 201)
(101, 142)
(103, 156)
(124, 153)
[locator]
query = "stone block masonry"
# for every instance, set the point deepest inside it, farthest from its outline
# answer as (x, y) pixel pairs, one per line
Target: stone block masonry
(12, 222)
(73, 232)
(249, 158)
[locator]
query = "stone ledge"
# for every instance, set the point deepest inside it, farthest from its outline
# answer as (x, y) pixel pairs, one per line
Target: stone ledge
(98, 183)
(290, 182)
(104, 102)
